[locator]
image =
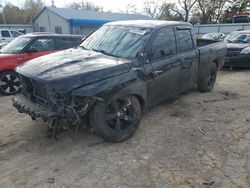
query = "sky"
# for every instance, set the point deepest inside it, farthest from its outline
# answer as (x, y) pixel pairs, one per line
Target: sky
(113, 5)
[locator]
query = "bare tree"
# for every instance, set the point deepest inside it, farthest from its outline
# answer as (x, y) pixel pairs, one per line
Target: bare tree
(187, 6)
(210, 10)
(86, 5)
(152, 8)
(130, 9)
(169, 11)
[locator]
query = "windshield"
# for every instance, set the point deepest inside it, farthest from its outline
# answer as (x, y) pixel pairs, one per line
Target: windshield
(239, 38)
(117, 41)
(16, 45)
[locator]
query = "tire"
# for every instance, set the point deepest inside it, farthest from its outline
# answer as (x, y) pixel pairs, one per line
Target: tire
(10, 83)
(207, 81)
(118, 120)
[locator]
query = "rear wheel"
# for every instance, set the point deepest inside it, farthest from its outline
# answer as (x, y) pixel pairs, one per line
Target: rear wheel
(9, 83)
(118, 120)
(206, 83)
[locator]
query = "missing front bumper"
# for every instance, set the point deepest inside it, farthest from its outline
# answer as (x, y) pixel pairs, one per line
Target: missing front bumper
(32, 109)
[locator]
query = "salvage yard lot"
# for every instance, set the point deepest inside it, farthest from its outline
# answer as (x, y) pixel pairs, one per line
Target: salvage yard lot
(195, 140)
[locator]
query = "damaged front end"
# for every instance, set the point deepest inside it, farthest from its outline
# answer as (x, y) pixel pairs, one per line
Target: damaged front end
(40, 101)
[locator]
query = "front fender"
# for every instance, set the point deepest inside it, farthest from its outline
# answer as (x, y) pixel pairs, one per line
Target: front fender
(115, 87)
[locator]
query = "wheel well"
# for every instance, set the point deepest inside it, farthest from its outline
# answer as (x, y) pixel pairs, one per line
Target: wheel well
(142, 102)
(216, 63)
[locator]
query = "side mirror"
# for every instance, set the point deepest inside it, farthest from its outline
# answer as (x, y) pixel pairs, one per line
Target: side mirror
(32, 50)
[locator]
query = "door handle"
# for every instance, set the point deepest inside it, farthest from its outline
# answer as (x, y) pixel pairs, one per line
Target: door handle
(19, 58)
(156, 73)
(175, 64)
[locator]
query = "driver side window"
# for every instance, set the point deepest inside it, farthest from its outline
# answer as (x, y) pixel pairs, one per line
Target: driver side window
(43, 45)
(164, 44)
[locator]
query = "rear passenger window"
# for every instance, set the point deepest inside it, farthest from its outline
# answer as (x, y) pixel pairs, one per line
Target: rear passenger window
(5, 33)
(65, 43)
(164, 43)
(184, 40)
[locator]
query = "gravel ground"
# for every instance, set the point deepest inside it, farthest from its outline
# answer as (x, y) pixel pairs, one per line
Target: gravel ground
(195, 140)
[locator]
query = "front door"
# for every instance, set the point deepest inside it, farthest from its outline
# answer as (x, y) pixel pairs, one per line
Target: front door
(165, 66)
(39, 47)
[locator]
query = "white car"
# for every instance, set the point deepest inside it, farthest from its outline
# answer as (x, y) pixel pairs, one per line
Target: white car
(214, 36)
(7, 35)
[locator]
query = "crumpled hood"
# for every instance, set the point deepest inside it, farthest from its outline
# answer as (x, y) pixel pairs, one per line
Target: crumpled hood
(237, 46)
(73, 68)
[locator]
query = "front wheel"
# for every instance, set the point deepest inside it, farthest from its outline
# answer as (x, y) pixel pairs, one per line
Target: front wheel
(207, 81)
(118, 120)
(10, 83)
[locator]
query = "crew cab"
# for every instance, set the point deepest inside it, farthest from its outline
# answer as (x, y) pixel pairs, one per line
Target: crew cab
(27, 47)
(117, 72)
(238, 45)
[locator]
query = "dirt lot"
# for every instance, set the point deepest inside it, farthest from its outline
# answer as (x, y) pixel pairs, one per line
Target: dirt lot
(194, 140)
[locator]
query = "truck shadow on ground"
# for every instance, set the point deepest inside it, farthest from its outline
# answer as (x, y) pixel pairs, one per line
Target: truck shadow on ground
(38, 131)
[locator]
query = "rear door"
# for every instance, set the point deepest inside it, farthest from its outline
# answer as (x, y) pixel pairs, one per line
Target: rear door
(63, 43)
(165, 66)
(189, 57)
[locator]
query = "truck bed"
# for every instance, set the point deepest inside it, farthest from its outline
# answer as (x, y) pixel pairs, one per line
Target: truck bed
(210, 51)
(205, 42)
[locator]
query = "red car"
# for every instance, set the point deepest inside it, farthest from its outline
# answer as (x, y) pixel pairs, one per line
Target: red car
(27, 47)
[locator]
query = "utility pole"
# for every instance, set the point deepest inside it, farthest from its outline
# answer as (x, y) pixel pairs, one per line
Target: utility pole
(53, 3)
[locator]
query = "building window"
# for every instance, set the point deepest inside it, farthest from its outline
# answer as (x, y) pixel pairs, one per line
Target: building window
(58, 29)
(42, 29)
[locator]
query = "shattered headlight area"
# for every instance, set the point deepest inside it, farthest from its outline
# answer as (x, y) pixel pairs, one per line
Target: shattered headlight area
(39, 101)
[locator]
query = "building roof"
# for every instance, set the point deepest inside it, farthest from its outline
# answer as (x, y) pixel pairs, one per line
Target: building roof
(100, 17)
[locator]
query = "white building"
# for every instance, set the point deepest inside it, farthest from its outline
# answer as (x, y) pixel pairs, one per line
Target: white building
(71, 21)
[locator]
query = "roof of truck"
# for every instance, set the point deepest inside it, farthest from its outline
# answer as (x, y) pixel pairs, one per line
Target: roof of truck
(48, 34)
(148, 23)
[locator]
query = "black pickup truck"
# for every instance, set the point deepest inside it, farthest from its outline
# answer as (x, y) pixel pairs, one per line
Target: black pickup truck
(116, 73)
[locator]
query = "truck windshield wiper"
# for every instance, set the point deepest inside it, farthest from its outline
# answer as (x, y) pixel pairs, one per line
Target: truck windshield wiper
(104, 52)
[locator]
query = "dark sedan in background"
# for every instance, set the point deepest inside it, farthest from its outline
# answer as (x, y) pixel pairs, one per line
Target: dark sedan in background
(238, 45)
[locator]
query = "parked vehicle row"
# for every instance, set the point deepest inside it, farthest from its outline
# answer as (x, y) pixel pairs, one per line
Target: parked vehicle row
(117, 72)
(238, 45)
(27, 47)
